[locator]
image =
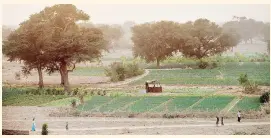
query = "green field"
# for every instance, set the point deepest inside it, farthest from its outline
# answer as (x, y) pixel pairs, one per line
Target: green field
(147, 103)
(178, 104)
(231, 71)
(118, 103)
(213, 103)
(94, 102)
(18, 97)
(247, 103)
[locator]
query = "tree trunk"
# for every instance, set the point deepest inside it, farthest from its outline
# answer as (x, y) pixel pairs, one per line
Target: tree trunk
(41, 85)
(65, 77)
(62, 79)
(158, 63)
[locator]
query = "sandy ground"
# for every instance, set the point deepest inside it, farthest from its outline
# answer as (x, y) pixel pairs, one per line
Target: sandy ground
(20, 118)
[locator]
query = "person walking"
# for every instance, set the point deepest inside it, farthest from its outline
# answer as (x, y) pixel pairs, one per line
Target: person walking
(222, 123)
(217, 120)
(239, 116)
(33, 125)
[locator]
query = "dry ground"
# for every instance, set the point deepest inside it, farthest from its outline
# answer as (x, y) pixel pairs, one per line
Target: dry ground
(20, 118)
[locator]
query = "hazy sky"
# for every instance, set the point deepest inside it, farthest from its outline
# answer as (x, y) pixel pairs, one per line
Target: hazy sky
(119, 13)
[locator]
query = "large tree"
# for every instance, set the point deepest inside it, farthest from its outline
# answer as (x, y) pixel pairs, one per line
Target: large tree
(70, 44)
(26, 44)
(246, 28)
(157, 40)
(205, 38)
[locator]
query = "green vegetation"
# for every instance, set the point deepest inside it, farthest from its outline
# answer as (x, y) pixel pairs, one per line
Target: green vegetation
(178, 104)
(118, 103)
(213, 103)
(247, 103)
(88, 71)
(94, 102)
(258, 72)
(18, 97)
(191, 91)
(147, 103)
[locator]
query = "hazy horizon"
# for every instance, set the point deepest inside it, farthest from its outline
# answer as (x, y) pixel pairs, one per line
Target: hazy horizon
(14, 14)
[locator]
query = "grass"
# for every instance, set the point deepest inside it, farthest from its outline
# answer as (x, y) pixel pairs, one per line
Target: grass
(65, 101)
(88, 71)
(258, 72)
(247, 103)
(18, 97)
(213, 103)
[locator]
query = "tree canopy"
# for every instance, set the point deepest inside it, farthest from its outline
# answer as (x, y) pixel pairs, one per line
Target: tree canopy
(54, 35)
(205, 38)
(156, 41)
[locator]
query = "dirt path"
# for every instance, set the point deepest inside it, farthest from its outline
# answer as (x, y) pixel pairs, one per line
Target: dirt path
(20, 118)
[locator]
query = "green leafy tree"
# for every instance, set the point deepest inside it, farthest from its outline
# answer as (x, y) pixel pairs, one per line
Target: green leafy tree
(156, 41)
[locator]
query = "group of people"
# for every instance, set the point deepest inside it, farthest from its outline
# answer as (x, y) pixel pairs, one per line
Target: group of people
(217, 121)
(222, 123)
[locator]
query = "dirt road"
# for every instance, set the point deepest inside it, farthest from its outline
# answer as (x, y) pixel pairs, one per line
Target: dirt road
(19, 118)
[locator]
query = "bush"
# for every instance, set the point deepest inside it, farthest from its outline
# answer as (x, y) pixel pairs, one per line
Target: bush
(243, 79)
(118, 71)
(203, 64)
(265, 97)
(44, 129)
(250, 87)
(75, 91)
(73, 102)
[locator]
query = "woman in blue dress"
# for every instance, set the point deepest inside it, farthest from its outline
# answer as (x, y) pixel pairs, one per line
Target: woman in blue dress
(33, 125)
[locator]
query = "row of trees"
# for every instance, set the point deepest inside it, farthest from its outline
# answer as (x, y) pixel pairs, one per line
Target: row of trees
(157, 40)
(51, 40)
(248, 29)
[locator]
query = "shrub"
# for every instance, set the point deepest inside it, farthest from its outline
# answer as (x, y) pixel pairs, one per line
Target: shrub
(92, 92)
(75, 91)
(44, 129)
(243, 79)
(104, 92)
(250, 87)
(81, 97)
(265, 97)
(73, 102)
(203, 64)
(118, 71)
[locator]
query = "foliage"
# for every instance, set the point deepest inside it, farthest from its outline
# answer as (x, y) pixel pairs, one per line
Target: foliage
(27, 97)
(246, 28)
(120, 71)
(73, 103)
(157, 40)
(243, 79)
(44, 130)
(205, 38)
(265, 98)
(250, 87)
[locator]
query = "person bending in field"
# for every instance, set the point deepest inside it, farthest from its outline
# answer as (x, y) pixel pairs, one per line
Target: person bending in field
(239, 116)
